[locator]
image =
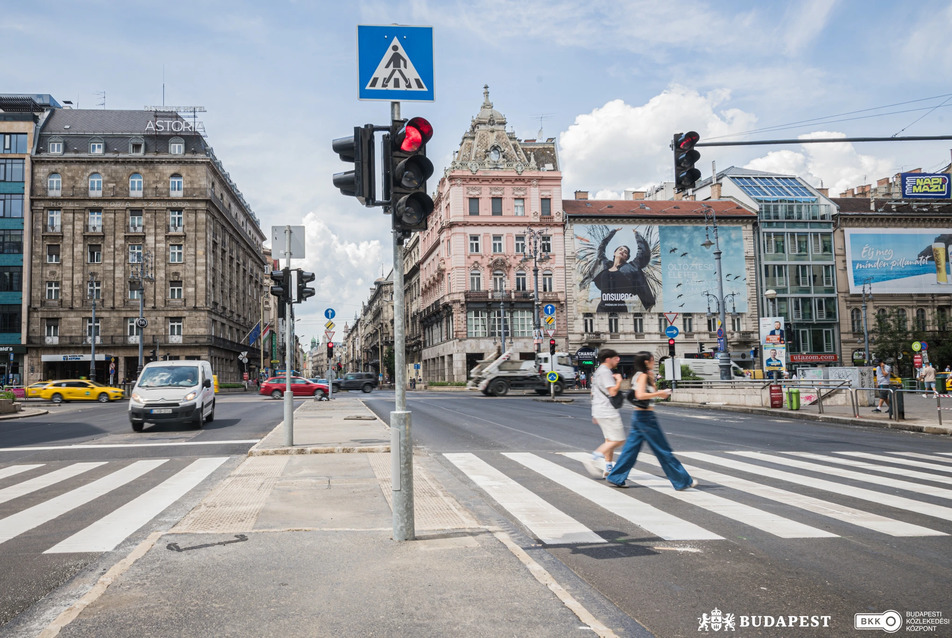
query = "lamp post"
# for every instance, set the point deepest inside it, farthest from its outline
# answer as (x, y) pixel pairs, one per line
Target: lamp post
(867, 296)
(501, 294)
(141, 273)
(531, 250)
(91, 291)
(723, 358)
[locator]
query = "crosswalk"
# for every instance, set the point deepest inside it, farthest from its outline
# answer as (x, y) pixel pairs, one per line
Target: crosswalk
(783, 495)
(34, 495)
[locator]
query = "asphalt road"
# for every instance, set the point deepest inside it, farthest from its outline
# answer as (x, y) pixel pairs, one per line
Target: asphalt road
(863, 526)
(71, 482)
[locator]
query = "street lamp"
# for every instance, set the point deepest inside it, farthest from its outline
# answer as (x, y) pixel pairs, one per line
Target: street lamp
(771, 296)
(867, 296)
(91, 292)
(500, 293)
(141, 273)
(723, 358)
(531, 250)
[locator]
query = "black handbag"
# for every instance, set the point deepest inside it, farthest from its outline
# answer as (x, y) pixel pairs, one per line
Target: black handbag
(617, 400)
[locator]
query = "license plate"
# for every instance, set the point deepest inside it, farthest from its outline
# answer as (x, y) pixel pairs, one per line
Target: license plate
(161, 411)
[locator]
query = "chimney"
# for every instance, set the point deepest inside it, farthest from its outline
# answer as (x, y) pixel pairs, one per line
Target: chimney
(823, 191)
(882, 182)
(716, 190)
(581, 195)
(637, 195)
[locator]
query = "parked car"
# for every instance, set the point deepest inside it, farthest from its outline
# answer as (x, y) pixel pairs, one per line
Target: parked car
(300, 387)
(365, 381)
(336, 383)
(173, 391)
(32, 391)
(80, 390)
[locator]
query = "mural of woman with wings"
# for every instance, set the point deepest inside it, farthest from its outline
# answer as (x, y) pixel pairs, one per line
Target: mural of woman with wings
(627, 276)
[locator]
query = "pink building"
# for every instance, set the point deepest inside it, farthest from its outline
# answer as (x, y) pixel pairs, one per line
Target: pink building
(496, 228)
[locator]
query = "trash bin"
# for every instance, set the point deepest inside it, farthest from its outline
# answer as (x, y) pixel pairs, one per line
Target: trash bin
(897, 406)
(941, 383)
(776, 396)
(793, 400)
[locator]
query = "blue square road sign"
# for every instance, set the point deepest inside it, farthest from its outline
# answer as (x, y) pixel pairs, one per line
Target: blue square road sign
(395, 63)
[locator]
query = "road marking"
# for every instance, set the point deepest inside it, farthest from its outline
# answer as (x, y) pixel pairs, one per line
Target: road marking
(549, 524)
(836, 511)
(901, 461)
(105, 534)
(35, 516)
(16, 469)
(40, 482)
(101, 446)
(880, 498)
(878, 467)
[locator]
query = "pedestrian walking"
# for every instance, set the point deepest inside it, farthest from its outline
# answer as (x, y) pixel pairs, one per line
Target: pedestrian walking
(645, 428)
(605, 384)
(927, 376)
(882, 382)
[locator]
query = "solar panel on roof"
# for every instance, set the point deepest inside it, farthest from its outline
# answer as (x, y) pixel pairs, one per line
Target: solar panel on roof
(775, 188)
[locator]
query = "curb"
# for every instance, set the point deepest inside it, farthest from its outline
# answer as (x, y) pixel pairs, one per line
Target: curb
(319, 449)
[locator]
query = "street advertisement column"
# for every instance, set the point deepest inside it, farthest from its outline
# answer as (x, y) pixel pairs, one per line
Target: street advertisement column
(773, 345)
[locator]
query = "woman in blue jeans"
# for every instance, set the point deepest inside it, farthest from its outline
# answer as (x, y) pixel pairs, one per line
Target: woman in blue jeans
(645, 427)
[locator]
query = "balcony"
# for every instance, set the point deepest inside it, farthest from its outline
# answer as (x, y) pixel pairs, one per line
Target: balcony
(52, 341)
(136, 227)
(176, 228)
(94, 228)
(53, 228)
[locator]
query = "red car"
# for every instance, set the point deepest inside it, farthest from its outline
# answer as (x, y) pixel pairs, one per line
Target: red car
(300, 387)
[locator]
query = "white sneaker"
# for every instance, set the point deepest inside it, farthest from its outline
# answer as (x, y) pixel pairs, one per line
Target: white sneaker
(608, 469)
(595, 464)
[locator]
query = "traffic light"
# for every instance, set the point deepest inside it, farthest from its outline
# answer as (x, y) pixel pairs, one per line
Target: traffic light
(304, 292)
(407, 170)
(685, 157)
(281, 285)
(700, 348)
(551, 346)
(330, 350)
(359, 149)
(670, 347)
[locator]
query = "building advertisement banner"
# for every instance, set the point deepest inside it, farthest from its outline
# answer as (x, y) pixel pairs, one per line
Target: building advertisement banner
(639, 268)
(899, 261)
(773, 346)
(925, 185)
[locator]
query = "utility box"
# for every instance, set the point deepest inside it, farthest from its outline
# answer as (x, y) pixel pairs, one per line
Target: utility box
(776, 396)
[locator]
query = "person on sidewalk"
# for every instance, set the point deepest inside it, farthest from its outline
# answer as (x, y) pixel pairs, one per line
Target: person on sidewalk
(605, 384)
(645, 427)
(927, 376)
(882, 382)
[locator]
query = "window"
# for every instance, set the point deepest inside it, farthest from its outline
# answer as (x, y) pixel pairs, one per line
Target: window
(52, 290)
(639, 323)
(175, 290)
(474, 244)
(588, 323)
(902, 321)
(662, 323)
(9, 318)
(11, 241)
(176, 220)
(135, 221)
(477, 324)
(497, 205)
(547, 281)
(54, 185)
(822, 244)
(176, 253)
(520, 244)
(176, 186)
(135, 185)
(135, 290)
(920, 319)
(688, 322)
(519, 207)
(474, 206)
(94, 254)
(52, 253)
(175, 326)
(52, 327)
(11, 205)
(774, 244)
(56, 147)
(96, 147)
(136, 146)
(14, 143)
(499, 281)
(475, 281)
(94, 221)
(712, 323)
(93, 329)
(497, 243)
(546, 207)
(856, 320)
(95, 185)
(11, 170)
(613, 322)
(94, 290)
(11, 278)
(521, 323)
(545, 244)
(53, 221)
(135, 253)
(132, 330)
(177, 146)
(735, 323)
(521, 281)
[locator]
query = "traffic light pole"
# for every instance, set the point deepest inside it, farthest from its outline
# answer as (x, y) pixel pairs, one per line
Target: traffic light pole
(401, 442)
(288, 358)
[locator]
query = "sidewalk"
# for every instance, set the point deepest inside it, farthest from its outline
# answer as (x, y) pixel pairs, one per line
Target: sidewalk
(297, 541)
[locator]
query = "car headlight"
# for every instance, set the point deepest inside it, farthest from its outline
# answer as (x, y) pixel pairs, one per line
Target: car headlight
(137, 398)
(191, 396)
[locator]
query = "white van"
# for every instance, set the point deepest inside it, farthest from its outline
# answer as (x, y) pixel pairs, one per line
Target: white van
(173, 391)
(710, 369)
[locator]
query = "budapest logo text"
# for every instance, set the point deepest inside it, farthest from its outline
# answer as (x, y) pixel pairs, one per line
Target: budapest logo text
(721, 621)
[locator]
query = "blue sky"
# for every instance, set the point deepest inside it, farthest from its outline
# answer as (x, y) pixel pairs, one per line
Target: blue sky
(611, 80)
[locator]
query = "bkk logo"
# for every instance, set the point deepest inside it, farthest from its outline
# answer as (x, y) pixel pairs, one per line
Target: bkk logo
(718, 620)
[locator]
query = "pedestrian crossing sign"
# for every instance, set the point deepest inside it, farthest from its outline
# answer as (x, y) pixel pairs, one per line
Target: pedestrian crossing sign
(395, 63)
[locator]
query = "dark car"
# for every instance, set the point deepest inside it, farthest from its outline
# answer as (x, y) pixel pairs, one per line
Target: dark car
(365, 381)
(300, 387)
(335, 383)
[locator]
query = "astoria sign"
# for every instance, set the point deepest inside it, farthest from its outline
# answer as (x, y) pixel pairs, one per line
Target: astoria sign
(172, 126)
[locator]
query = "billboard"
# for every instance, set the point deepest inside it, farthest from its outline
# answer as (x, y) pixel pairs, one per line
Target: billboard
(773, 345)
(900, 260)
(657, 268)
(925, 185)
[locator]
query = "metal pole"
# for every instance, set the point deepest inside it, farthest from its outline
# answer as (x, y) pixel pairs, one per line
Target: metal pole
(723, 358)
(401, 440)
(866, 286)
(288, 360)
(92, 359)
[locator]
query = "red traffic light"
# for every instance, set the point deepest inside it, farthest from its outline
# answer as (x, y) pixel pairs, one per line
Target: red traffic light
(686, 141)
(330, 345)
(415, 135)
(670, 342)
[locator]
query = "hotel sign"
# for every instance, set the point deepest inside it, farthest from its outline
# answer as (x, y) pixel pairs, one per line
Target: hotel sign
(925, 185)
(172, 126)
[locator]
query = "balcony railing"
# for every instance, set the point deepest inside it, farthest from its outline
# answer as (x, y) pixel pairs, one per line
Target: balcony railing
(136, 228)
(94, 228)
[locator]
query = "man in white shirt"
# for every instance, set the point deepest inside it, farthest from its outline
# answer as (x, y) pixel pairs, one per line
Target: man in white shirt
(882, 382)
(605, 384)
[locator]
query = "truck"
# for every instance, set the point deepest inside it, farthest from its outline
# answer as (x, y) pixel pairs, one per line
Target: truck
(497, 373)
(710, 369)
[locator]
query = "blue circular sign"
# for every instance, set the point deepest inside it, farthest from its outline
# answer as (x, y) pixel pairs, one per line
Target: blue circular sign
(329, 313)
(552, 377)
(549, 309)
(672, 332)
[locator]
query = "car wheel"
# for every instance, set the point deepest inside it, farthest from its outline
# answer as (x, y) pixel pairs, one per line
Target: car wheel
(276, 394)
(499, 388)
(559, 387)
(103, 398)
(320, 395)
(200, 419)
(211, 415)
(137, 426)
(57, 398)
(367, 387)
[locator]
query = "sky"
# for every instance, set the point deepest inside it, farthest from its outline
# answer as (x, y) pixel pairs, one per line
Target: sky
(611, 80)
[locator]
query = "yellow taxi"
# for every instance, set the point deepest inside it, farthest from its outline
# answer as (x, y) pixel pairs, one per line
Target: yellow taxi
(79, 390)
(32, 391)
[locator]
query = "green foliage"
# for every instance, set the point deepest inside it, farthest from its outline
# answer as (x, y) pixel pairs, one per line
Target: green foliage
(388, 361)
(8, 395)
(446, 383)
(687, 374)
(892, 342)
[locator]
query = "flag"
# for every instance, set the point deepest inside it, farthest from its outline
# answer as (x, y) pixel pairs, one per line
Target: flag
(253, 335)
(266, 331)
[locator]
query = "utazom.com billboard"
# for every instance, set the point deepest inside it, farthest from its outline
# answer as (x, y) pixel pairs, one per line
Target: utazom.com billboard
(900, 261)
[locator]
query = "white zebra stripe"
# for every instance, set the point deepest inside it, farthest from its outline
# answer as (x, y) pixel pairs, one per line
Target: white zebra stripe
(878, 467)
(51, 478)
(13, 470)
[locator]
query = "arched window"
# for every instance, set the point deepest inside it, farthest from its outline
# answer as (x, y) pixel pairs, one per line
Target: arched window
(521, 281)
(613, 323)
(547, 281)
(499, 281)
(54, 185)
(902, 321)
(176, 185)
(856, 320)
(95, 185)
(135, 185)
(920, 319)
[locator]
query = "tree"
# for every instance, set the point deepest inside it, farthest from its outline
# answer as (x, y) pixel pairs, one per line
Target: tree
(388, 362)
